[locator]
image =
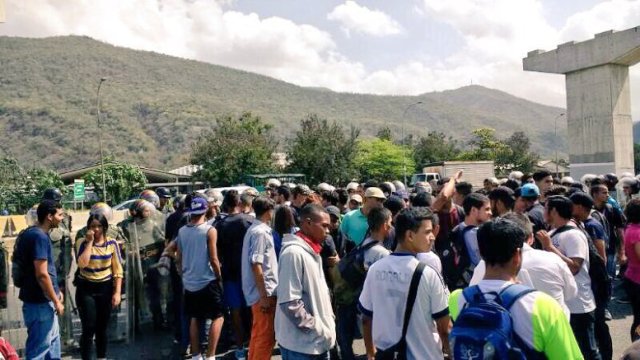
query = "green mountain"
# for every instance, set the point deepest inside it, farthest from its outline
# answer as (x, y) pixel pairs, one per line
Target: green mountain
(153, 106)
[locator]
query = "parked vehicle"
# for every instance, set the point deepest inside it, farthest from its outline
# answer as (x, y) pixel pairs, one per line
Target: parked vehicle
(474, 172)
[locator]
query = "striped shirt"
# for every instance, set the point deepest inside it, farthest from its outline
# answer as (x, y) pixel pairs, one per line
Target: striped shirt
(100, 267)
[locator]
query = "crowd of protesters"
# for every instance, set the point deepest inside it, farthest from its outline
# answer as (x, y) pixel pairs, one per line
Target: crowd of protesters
(429, 272)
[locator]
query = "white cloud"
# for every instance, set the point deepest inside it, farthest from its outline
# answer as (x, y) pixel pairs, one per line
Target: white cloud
(198, 29)
(496, 35)
(609, 15)
(357, 18)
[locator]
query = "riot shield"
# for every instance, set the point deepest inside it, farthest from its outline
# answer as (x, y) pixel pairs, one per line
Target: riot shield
(145, 285)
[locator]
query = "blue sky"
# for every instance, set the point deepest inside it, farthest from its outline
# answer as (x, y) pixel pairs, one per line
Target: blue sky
(365, 46)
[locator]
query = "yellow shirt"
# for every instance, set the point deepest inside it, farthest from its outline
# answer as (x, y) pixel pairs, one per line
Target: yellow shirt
(100, 267)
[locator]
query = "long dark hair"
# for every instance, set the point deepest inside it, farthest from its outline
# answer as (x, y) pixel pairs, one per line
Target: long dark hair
(283, 220)
(103, 222)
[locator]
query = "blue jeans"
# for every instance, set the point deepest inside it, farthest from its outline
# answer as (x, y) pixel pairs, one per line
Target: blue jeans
(583, 326)
(294, 355)
(347, 329)
(43, 333)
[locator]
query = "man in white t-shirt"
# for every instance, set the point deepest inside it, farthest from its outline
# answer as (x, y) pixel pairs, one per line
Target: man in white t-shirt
(542, 270)
(384, 295)
(572, 246)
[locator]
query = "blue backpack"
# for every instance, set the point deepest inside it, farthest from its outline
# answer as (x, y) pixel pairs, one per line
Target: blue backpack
(484, 328)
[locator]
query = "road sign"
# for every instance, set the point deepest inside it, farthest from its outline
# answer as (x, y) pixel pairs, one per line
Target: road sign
(78, 189)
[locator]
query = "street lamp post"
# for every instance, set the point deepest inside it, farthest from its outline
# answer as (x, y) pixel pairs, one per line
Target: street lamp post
(404, 152)
(104, 187)
(555, 138)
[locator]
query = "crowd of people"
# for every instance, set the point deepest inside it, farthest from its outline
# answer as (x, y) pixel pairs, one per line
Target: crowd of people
(520, 269)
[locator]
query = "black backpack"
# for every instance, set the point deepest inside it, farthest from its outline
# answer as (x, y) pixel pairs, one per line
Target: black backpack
(351, 267)
(456, 264)
(600, 280)
(18, 268)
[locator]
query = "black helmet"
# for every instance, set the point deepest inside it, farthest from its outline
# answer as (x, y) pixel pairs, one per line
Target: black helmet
(611, 179)
(163, 192)
(52, 194)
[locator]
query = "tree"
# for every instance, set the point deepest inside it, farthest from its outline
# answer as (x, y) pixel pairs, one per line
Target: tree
(516, 154)
(235, 147)
(484, 146)
(20, 189)
(384, 133)
(38, 180)
(122, 180)
(380, 159)
(436, 146)
(323, 151)
(12, 178)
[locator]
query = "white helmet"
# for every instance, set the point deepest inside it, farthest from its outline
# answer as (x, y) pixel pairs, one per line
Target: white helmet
(324, 187)
(391, 186)
(567, 180)
(399, 185)
(273, 183)
(353, 186)
(516, 175)
(586, 179)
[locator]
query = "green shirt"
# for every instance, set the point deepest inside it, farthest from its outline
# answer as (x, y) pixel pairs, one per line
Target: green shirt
(354, 226)
(537, 318)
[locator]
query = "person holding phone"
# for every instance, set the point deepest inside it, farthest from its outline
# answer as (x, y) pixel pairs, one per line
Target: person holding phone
(98, 285)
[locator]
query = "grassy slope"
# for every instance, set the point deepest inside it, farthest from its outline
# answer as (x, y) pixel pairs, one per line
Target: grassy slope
(154, 105)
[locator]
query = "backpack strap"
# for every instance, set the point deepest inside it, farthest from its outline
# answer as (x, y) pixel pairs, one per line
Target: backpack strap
(364, 248)
(411, 299)
(473, 294)
(509, 295)
(562, 229)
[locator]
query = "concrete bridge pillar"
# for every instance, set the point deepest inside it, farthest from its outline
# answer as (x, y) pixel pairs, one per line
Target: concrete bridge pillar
(600, 131)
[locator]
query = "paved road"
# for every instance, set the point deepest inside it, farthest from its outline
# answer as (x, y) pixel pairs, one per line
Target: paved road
(160, 346)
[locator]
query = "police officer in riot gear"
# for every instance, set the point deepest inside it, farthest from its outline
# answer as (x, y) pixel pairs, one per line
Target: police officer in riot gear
(165, 195)
(147, 243)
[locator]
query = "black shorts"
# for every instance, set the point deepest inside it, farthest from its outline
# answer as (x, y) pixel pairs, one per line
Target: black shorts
(206, 303)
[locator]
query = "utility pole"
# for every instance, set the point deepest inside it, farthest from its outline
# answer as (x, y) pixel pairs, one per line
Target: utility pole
(104, 187)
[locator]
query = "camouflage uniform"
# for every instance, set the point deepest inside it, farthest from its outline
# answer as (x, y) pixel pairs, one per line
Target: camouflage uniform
(146, 236)
(62, 249)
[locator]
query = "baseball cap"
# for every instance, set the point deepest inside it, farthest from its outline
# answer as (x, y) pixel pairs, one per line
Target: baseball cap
(333, 210)
(374, 192)
(357, 198)
(198, 206)
(529, 191)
